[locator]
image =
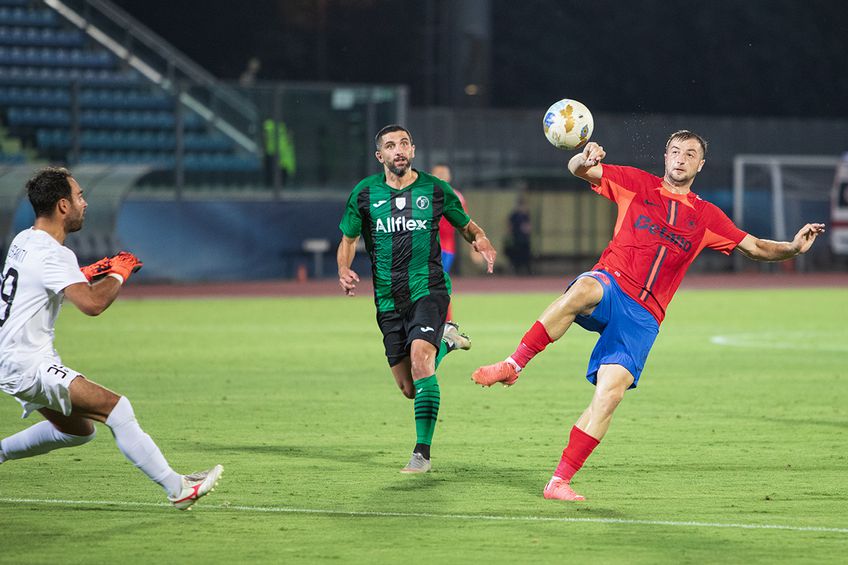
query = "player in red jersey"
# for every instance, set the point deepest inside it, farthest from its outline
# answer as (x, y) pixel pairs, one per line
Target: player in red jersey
(447, 233)
(660, 229)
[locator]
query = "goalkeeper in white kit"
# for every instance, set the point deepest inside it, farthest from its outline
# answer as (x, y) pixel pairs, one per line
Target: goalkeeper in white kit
(40, 272)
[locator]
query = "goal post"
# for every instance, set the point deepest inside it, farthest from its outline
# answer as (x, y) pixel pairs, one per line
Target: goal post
(774, 195)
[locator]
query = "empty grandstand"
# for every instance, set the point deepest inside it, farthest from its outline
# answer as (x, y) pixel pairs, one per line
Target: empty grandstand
(80, 84)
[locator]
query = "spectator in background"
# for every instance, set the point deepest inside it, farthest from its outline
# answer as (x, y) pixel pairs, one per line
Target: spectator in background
(518, 247)
(248, 76)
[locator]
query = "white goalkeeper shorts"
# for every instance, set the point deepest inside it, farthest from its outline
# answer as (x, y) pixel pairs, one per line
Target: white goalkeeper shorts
(45, 386)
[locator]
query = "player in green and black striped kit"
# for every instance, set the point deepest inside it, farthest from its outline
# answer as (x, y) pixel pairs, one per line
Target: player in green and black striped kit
(398, 212)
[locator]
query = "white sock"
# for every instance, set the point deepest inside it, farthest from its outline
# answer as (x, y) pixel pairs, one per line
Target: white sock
(514, 363)
(41, 438)
(140, 449)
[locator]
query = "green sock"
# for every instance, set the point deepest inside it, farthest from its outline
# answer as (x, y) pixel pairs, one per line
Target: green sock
(440, 354)
(427, 398)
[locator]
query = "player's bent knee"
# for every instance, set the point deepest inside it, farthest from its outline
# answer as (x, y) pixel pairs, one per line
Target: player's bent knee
(607, 400)
(423, 367)
(74, 440)
(122, 413)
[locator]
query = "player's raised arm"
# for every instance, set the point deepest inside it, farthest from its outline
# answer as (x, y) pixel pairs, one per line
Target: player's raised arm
(93, 298)
(768, 250)
(587, 164)
(344, 257)
(475, 235)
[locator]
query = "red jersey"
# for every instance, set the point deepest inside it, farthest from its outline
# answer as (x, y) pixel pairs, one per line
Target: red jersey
(657, 235)
(447, 233)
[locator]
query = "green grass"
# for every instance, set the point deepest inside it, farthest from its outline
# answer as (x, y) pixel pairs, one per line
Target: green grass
(294, 397)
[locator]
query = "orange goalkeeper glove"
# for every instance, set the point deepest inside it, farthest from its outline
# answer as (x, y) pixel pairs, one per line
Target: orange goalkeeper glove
(124, 264)
(96, 270)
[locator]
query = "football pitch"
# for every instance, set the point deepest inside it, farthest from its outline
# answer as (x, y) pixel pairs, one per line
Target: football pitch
(733, 449)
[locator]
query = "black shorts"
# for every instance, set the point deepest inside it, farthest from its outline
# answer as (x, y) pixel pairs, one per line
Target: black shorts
(425, 320)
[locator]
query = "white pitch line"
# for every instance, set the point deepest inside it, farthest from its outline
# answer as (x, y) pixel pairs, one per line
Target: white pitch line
(471, 517)
(808, 341)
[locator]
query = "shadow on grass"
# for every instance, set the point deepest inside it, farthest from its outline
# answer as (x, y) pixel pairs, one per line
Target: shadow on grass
(794, 422)
(334, 453)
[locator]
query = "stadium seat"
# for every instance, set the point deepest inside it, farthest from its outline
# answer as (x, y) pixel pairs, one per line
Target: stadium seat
(123, 118)
(23, 16)
(54, 57)
(40, 37)
(41, 76)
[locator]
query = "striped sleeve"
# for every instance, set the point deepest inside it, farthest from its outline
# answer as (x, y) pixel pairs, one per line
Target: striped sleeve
(351, 223)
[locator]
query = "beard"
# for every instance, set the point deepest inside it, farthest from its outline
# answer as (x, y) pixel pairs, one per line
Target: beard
(74, 224)
(400, 169)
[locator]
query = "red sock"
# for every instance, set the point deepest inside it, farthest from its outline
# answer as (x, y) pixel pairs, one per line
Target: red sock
(580, 446)
(534, 341)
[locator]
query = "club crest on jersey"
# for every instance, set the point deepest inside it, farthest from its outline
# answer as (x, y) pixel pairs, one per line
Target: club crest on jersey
(400, 202)
(422, 202)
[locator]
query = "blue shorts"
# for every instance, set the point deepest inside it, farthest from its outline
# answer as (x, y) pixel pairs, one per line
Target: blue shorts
(627, 329)
(447, 261)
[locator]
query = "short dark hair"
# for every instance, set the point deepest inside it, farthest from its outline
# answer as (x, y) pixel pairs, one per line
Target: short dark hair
(683, 135)
(46, 188)
(389, 129)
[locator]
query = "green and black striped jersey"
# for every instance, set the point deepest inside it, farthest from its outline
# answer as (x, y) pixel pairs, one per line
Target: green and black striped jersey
(401, 233)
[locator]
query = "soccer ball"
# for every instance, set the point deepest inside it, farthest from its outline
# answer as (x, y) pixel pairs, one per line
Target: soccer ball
(568, 124)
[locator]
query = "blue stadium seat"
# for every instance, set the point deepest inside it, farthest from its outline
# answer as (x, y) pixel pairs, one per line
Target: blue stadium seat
(38, 117)
(28, 96)
(127, 99)
(40, 37)
(52, 139)
(54, 57)
(45, 76)
(123, 117)
(22, 16)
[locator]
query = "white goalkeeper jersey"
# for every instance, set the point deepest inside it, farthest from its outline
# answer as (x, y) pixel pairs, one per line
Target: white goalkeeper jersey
(37, 271)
